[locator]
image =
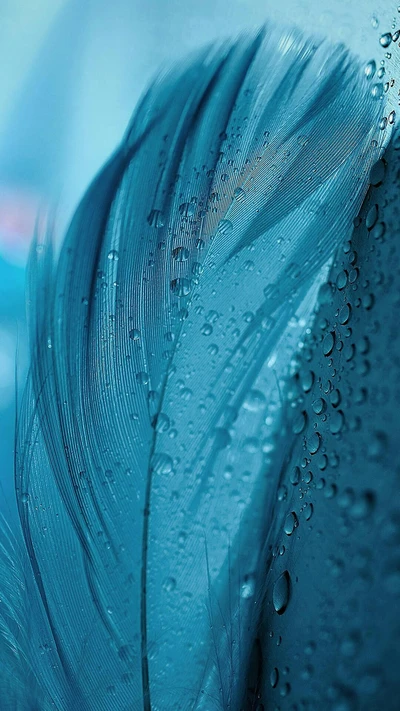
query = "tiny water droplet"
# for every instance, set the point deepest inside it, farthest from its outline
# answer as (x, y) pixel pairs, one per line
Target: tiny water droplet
(187, 209)
(113, 255)
(134, 334)
(169, 584)
(239, 195)
(180, 254)
(156, 219)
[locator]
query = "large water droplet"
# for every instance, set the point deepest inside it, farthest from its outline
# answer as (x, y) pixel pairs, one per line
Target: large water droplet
(254, 401)
(274, 678)
(314, 442)
(328, 344)
(372, 217)
(385, 39)
(370, 69)
(291, 522)
(181, 286)
(281, 593)
(377, 173)
(248, 587)
(180, 254)
(239, 195)
(224, 227)
(161, 463)
(299, 423)
(336, 422)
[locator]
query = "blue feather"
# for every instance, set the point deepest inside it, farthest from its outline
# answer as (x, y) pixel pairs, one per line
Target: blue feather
(152, 426)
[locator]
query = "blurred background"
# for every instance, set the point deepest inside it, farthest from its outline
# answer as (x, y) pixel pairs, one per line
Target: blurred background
(71, 72)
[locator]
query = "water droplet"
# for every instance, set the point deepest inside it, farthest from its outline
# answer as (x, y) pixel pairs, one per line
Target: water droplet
(187, 209)
(377, 173)
(307, 380)
(299, 423)
(341, 279)
(295, 476)
(169, 584)
(344, 314)
(319, 406)
(134, 334)
(385, 39)
(206, 329)
(281, 593)
(314, 443)
(222, 438)
(328, 343)
(254, 401)
(156, 219)
(302, 141)
(161, 463)
(113, 255)
(335, 397)
(370, 69)
(336, 422)
(225, 227)
(291, 522)
(377, 445)
(363, 506)
(350, 644)
(181, 286)
(239, 195)
(126, 653)
(372, 217)
(282, 493)
(392, 117)
(24, 497)
(274, 678)
(248, 587)
(377, 91)
(180, 254)
(308, 511)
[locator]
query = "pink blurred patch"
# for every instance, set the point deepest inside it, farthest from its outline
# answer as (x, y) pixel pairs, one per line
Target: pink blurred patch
(19, 213)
